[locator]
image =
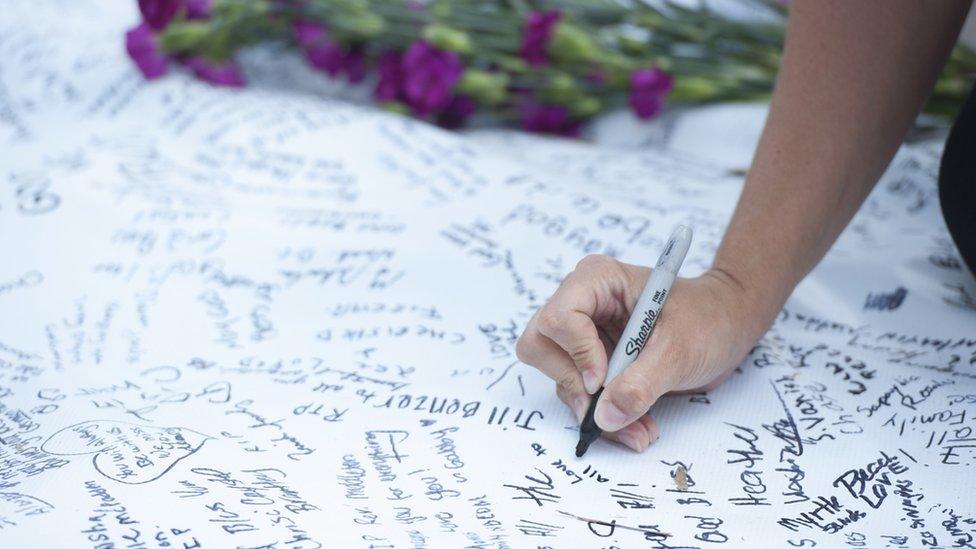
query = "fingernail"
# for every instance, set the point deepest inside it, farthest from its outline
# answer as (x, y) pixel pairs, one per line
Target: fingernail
(580, 403)
(609, 417)
(590, 381)
(629, 441)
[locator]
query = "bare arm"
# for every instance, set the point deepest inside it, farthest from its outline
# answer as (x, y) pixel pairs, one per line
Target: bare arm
(854, 76)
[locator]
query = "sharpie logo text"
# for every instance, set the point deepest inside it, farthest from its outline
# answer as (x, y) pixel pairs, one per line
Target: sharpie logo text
(635, 344)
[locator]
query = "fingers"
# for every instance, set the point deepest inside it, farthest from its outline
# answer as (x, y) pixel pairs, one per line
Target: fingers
(563, 340)
(578, 402)
(629, 395)
(568, 317)
(574, 332)
(538, 351)
(637, 436)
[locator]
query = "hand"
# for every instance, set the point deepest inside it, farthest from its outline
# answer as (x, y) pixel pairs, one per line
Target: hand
(705, 330)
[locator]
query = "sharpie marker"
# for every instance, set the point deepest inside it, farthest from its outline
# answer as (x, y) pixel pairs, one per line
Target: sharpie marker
(641, 324)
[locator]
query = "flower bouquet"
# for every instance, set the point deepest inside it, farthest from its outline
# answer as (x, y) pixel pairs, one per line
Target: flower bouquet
(547, 65)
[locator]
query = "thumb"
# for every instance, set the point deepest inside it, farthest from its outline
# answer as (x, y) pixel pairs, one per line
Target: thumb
(629, 395)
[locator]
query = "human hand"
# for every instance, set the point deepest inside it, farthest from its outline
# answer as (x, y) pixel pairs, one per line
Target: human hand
(705, 330)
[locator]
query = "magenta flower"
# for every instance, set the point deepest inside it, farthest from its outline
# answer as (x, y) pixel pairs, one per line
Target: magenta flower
(308, 33)
(429, 77)
(390, 85)
(328, 55)
(226, 73)
(456, 112)
(355, 64)
(321, 52)
(143, 47)
(199, 9)
(539, 118)
(648, 89)
(536, 35)
(158, 13)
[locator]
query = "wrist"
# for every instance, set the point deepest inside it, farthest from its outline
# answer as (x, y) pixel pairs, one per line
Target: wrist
(752, 305)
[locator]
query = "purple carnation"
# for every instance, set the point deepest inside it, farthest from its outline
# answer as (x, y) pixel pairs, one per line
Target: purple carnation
(355, 64)
(226, 73)
(429, 77)
(158, 13)
(321, 52)
(328, 55)
(199, 9)
(143, 47)
(648, 89)
(539, 118)
(390, 85)
(536, 35)
(308, 33)
(456, 112)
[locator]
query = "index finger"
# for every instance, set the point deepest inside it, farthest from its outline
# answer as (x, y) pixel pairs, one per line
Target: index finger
(567, 319)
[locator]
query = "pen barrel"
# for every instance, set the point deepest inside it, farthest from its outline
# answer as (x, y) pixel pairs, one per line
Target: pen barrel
(641, 324)
(648, 308)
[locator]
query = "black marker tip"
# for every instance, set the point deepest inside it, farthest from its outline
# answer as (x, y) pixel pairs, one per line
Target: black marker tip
(581, 448)
(588, 429)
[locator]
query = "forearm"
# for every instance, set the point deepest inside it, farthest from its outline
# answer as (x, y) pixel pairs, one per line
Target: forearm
(853, 78)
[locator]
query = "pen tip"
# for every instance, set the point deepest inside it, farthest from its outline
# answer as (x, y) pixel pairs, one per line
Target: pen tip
(588, 427)
(581, 448)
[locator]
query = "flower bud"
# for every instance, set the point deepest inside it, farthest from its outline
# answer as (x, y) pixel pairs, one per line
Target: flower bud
(439, 10)
(512, 64)
(694, 88)
(187, 36)
(446, 38)
(633, 45)
(363, 24)
(562, 83)
(396, 107)
(650, 19)
(561, 89)
(486, 87)
(585, 106)
(572, 43)
(952, 86)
